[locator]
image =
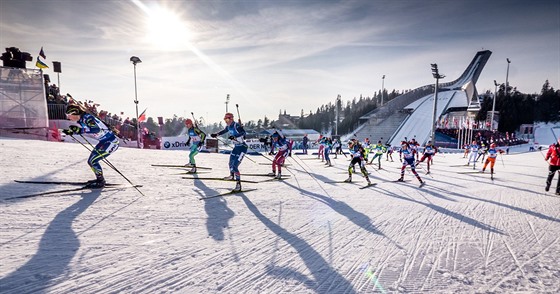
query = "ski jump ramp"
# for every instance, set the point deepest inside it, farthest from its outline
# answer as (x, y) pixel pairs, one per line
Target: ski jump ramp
(457, 94)
(410, 115)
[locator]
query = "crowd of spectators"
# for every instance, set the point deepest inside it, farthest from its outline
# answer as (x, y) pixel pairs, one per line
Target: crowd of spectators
(487, 137)
(56, 105)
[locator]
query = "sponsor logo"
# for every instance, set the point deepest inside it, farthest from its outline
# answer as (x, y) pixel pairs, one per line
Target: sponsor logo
(175, 144)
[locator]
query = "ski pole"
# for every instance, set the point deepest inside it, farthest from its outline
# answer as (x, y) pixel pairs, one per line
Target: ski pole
(227, 144)
(238, 116)
(106, 161)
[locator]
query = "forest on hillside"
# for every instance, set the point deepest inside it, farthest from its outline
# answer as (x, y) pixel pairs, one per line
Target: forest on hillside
(515, 109)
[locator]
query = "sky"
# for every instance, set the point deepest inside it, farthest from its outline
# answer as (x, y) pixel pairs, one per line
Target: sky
(276, 56)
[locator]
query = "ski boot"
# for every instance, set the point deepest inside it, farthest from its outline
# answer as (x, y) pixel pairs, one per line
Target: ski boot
(401, 179)
(422, 183)
(272, 174)
(229, 178)
(278, 176)
(237, 187)
(349, 180)
(96, 184)
(192, 170)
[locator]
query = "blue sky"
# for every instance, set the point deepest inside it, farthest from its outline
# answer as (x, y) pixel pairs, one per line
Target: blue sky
(272, 56)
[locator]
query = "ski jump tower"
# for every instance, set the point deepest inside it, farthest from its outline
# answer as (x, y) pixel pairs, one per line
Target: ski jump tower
(410, 115)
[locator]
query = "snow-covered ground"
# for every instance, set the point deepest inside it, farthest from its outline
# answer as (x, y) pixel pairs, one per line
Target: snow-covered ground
(461, 233)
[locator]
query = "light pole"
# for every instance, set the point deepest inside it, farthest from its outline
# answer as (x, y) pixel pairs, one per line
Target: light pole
(227, 102)
(493, 106)
(382, 89)
(507, 74)
(437, 76)
(336, 109)
(135, 60)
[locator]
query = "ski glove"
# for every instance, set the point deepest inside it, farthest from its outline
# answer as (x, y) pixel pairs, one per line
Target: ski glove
(75, 129)
(68, 132)
(231, 137)
(213, 135)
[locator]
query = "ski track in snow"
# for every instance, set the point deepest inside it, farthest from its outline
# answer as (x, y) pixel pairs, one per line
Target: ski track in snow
(461, 233)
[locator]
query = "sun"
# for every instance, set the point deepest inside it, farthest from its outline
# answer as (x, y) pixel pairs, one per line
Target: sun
(166, 30)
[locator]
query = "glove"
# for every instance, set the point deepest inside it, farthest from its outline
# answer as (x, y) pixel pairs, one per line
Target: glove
(68, 132)
(213, 135)
(231, 137)
(75, 129)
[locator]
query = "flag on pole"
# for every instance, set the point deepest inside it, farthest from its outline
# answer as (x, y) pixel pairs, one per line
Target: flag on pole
(42, 53)
(142, 116)
(40, 64)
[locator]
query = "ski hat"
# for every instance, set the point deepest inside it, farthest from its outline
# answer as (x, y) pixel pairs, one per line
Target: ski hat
(188, 121)
(493, 145)
(74, 109)
(228, 115)
(275, 135)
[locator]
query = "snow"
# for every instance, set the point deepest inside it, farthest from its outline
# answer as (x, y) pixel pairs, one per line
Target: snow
(461, 233)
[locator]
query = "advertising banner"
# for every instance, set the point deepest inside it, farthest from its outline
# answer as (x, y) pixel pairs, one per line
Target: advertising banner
(174, 143)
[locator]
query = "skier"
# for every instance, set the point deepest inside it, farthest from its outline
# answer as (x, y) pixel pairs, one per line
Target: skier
(197, 137)
(473, 148)
(554, 165)
(379, 150)
(408, 160)
(482, 151)
(237, 136)
(429, 151)
(337, 147)
(357, 152)
(327, 150)
(413, 145)
(320, 153)
(492, 154)
(108, 141)
(284, 150)
(389, 152)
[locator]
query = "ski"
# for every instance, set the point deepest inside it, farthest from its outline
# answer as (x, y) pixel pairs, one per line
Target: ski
(218, 179)
(226, 193)
(264, 175)
(397, 181)
(270, 163)
(340, 182)
(179, 166)
(192, 173)
(116, 186)
(65, 183)
(368, 185)
(273, 179)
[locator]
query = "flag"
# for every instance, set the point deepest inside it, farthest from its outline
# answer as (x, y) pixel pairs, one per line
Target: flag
(42, 53)
(40, 64)
(142, 116)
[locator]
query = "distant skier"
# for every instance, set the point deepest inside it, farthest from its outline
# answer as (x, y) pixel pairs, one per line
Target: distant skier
(197, 137)
(237, 137)
(473, 148)
(429, 151)
(108, 141)
(413, 146)
(305, 141)
(320, 153)
(284, 150)
(358, 157)
(492, 154)
(408, 156)
(379, 150)
(327, 151)
(389, 151)
(553, 155)
(482, 151)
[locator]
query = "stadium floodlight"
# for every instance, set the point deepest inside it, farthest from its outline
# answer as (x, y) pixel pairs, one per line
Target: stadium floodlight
(135, 60)
(437, 76)
(507, 75)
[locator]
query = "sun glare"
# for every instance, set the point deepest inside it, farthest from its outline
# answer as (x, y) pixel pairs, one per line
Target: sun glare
(166, 30)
